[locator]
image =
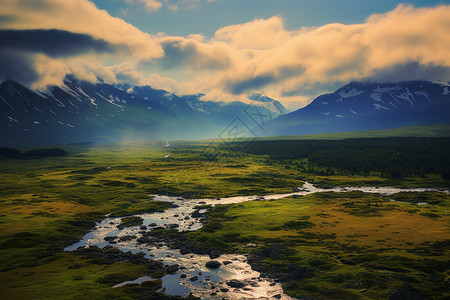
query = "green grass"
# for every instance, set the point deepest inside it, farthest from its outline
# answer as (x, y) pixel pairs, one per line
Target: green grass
(68, 276)
(355, 245)
(47, 204)
(409, 131)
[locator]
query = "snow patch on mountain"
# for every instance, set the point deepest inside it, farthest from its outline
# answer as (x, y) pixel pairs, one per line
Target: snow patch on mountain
(80, 90)
(350, 93)
(386, 89)
(41, 94)
(407, 96)
(422, 93)
(376, 97)
(379, 106)
(109, 100)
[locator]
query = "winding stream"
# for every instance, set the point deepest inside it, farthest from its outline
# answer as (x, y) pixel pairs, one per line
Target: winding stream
(193, 276)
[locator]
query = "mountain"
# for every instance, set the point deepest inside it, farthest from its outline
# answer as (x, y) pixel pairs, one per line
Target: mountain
(368, 106)
(224, 113)
(79, 111)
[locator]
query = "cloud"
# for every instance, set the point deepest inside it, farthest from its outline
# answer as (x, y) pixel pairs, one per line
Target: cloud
(68, 37)
(260, 55)
(184, 4)
(404, 44)
(255, 82)
(411, 71)
(150, 5)
(82, 17)
(54, 43)
(174, 5)
(18, 66)
(258, 34)
(20, 59)
(193, 55)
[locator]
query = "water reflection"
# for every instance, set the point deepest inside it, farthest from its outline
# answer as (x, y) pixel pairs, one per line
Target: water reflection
(193, 275)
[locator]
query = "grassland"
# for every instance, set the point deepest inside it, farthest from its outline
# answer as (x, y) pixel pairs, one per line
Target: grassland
(409, 131)
(48, 203)
(341, 245)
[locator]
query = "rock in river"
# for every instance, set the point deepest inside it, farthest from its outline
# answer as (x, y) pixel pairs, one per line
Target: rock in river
(172, 269)
(234, 283)
(213, 264)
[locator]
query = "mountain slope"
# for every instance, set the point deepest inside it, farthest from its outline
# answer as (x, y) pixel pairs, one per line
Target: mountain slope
(79, 111)
(369, 106)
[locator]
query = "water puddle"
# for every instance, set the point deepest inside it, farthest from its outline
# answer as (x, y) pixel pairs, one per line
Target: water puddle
(140, 280)
(232, 277)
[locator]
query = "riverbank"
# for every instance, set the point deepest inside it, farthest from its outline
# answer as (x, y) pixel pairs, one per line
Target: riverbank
(50, 203)
(183, 237)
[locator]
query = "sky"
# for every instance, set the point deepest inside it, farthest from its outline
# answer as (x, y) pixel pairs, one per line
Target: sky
(290, 50)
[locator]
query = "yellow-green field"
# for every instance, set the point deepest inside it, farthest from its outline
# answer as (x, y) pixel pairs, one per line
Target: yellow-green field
(357, 245)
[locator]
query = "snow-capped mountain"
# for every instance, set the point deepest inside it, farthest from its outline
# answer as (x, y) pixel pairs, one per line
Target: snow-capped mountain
(79, 111)
(224, 112)
(368, 105)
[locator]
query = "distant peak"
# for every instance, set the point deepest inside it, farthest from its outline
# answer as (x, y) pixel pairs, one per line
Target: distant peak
(9, 81)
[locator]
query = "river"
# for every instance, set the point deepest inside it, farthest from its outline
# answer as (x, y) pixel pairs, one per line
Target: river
(194, 277)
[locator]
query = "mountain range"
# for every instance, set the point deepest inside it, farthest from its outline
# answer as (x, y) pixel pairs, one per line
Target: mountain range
(78, 111)
(368, 106)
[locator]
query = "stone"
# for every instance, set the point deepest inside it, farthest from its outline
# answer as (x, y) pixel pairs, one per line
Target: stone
(213, 264)
(172, 269)
(234, 283)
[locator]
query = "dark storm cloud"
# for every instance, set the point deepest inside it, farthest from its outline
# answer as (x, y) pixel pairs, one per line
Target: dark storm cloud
(411, 71)
(256, 82)
(6, 18)
(18, 46)
(239, 86)
(187, 52)
(18, 66)
(54, 43)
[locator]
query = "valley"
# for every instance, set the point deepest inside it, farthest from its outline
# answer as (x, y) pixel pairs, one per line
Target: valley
(342, 244)
(224, 150)
(82, 112)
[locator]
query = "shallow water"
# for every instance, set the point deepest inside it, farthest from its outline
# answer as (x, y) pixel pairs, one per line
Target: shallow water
(209, 282)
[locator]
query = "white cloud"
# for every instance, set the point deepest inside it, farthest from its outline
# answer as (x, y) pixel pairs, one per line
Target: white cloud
(261, 55)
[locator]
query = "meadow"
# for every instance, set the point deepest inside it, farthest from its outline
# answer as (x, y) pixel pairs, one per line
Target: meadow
(342, 245)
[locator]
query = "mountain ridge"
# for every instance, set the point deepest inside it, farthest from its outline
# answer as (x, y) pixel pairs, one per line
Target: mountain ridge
(79, 111)
(368, 106)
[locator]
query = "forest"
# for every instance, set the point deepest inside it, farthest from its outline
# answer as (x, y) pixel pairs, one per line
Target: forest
(389, 157)
(32, 153)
